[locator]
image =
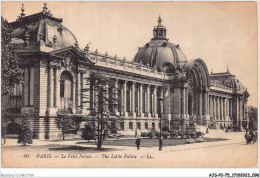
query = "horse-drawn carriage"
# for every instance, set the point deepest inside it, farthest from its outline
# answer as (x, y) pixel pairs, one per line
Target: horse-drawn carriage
(251, 137)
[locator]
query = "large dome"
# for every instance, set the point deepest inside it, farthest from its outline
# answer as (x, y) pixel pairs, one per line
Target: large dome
(159, 51)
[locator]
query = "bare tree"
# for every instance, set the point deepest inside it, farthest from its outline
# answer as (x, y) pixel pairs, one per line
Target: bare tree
(102, 106)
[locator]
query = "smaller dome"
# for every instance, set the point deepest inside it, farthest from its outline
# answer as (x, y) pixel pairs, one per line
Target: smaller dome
(235, 84)
(43, 26)
(228, 80)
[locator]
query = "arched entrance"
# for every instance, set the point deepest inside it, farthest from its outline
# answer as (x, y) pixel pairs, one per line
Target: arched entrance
(198, 84)
(66, 90)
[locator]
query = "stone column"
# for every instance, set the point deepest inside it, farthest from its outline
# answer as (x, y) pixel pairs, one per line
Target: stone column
(81, 87)
(141, 100)
(217, 108)
(230, 110)
(205, 103)
(213, 107)
(155, 102)
(220, 108)
(208, 104)
(32, 85)
(186, 103)
(74, 105)
(161, 102)
(57, 89)
(138, 99)
(125, 98)
(221, 101)
(227, 108)
(133, 99)
(206, 108)
(84, 95)
(148, 100)
(182, 102)
(106, 98)
(25, 87)
(240, 112)
(116, 97)
(78, 90)
(224, 110)
(50, 83)
(51, 109)
(200, 107)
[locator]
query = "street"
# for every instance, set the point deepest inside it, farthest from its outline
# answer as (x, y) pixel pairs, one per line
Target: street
(228, 150)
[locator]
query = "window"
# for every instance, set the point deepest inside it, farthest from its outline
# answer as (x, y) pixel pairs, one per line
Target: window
(153, 126)
(146, 125)
(66, 90)
(139, 125)
(131, 125)
(16, 98)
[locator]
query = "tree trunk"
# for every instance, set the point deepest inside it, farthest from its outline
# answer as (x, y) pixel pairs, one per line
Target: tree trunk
(63, 136)
(99, 144)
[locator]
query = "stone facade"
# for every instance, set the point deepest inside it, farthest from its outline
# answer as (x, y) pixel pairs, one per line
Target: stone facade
(158, 83)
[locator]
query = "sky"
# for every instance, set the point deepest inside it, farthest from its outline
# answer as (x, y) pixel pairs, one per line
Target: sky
(220, 33)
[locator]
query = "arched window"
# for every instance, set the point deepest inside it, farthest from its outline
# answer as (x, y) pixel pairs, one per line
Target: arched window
(66, 90)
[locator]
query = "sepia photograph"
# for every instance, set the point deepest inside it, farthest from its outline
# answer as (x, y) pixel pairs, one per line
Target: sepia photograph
(129, 84)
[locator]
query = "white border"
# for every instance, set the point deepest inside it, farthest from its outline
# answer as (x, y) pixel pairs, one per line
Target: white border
(132, 172)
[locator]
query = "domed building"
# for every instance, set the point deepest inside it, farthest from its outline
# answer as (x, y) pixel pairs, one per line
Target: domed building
(159, 87)
(159, 52)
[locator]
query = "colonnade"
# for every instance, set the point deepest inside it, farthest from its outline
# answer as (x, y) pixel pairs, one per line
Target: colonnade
(220, 107)
(136, 99)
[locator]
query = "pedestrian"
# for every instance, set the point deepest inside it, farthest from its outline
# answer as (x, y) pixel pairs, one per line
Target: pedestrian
(207, 130)
(137, 142)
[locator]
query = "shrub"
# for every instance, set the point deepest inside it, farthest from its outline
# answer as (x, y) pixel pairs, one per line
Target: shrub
(193, 134)
(165, 127)
(25, 133)
(65, 123)
(151, 134)
(181, 133)
(165, 134)
(35, 135)
(188, 134)
(199, 134)
(88, 132)
(157, 134)
(174, 134)
(113, 130)
(144, 134)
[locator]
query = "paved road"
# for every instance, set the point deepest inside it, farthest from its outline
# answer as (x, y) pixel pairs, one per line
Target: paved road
(231, 153)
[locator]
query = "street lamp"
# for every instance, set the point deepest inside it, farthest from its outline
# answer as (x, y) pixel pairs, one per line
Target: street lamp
(161, 107)
(160, 136)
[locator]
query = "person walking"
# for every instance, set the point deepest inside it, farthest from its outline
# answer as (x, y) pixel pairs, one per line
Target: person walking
(137, 142)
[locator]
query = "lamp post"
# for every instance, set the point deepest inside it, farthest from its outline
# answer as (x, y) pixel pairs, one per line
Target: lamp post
(161, 107)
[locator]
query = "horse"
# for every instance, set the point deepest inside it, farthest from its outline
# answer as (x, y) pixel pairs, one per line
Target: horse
(251, 138)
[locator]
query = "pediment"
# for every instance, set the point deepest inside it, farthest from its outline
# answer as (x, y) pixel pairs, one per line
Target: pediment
(70, 55)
